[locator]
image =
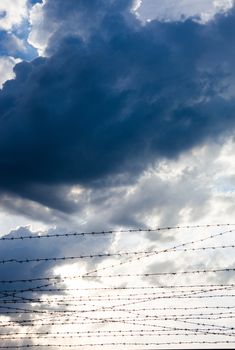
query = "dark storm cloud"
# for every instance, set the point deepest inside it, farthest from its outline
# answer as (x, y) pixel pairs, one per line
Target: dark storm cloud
(112, 97)
(58, 200)
(82, 17)
(61, 205)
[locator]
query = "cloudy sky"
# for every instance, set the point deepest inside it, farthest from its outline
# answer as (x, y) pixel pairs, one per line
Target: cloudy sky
(115, 114)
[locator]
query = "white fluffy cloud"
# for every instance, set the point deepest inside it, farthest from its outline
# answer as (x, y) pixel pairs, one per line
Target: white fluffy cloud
(176, 9)
(12, 13)
(6, 68)
(40, 31)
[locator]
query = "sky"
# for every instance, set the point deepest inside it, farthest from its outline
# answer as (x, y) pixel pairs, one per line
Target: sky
(116, 115)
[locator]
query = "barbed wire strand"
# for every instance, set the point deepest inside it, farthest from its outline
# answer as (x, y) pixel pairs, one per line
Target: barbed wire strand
(109, 255)
(141, 333)
(117, 343)
(107, 232)
(125, 292)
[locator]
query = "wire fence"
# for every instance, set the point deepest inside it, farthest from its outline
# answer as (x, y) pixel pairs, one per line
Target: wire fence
(136, 299)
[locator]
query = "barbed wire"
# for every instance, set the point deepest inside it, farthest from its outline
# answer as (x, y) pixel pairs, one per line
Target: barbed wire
(117, 344)
(180, 245)
(31, 311)
(131, 333)
(136, 322)
(205, 324)
(107, 232)
(70, 310)
(154, 325)
(140, 300)
(152, 274)
(67, 313)
(62, 279)
(109, 255)
(157, 309)
(40, 288)
(135, 312)
(118, 297)
(142, 317)
(70, 301)
(100, 332)
(169, 289)
(158, 252)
